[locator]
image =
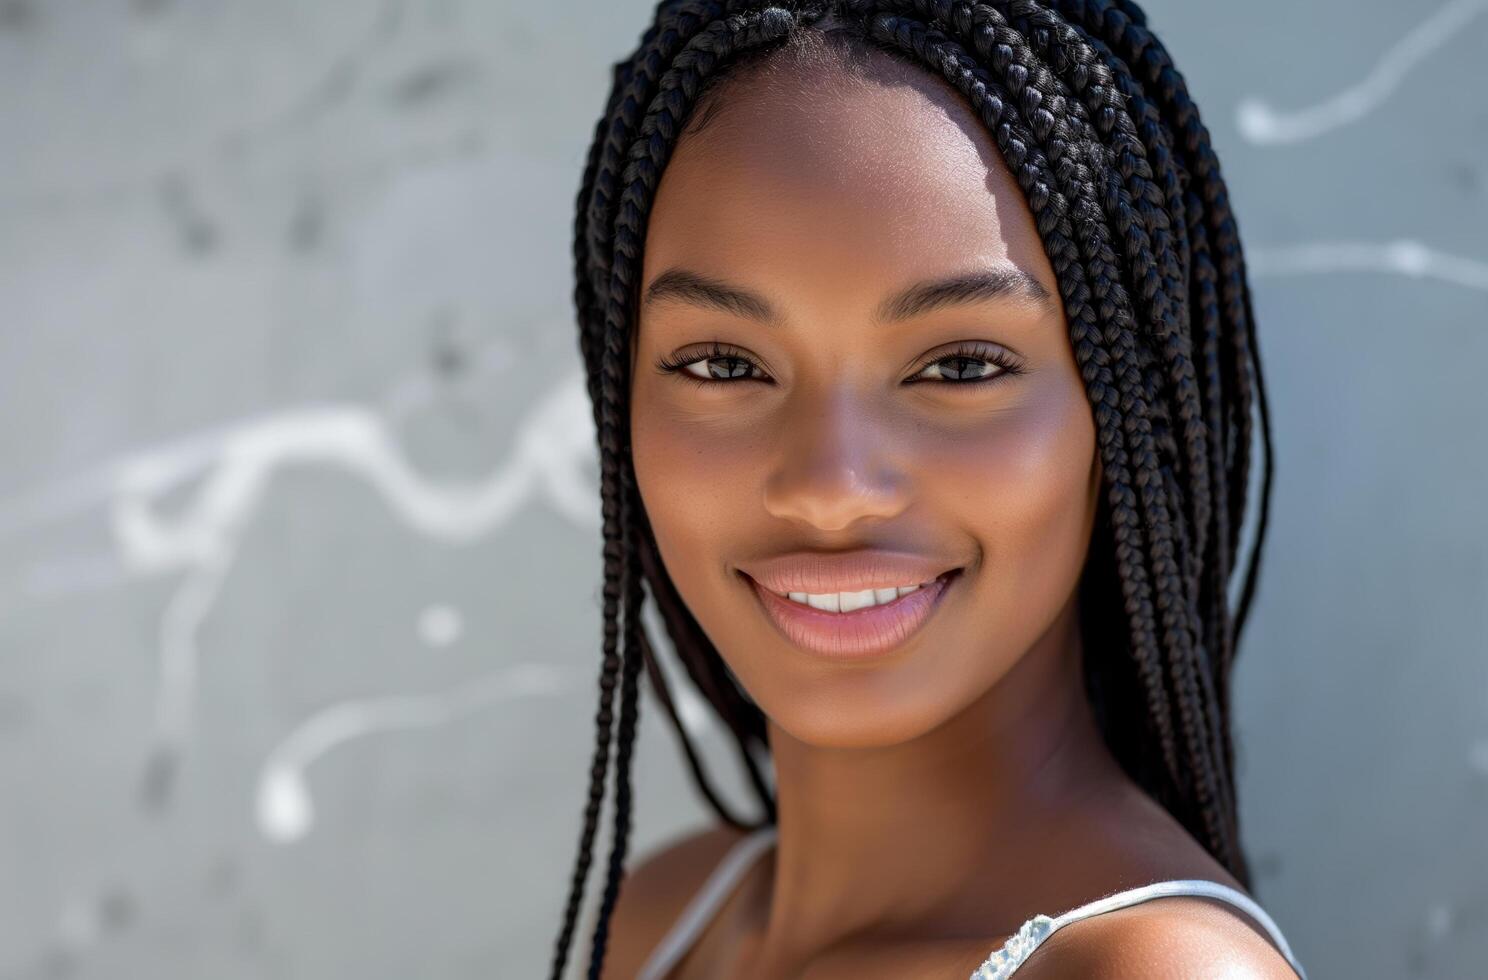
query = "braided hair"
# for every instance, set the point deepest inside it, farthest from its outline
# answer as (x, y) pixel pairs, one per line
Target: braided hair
(1097, 126)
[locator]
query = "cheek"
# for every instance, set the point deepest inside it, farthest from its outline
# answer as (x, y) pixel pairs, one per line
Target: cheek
(695, 473)
(1026, 483)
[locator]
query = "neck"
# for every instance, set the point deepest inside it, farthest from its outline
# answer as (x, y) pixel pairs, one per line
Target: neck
(893, 838)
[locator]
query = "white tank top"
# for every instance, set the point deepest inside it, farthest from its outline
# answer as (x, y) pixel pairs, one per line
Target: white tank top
(1003, 961)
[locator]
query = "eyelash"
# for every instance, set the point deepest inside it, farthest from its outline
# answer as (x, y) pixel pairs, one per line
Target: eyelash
(969, 350)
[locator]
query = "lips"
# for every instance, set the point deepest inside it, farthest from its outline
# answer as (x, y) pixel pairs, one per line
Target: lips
(863, 633)
(820, 573)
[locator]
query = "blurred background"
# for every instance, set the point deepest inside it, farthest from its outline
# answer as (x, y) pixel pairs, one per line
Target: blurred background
(299, 515)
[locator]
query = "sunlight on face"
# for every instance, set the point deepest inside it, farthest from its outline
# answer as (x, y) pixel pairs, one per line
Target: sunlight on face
(806, 409)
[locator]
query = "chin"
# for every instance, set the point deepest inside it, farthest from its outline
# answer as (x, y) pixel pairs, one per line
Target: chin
(869, 711)
(849, 736)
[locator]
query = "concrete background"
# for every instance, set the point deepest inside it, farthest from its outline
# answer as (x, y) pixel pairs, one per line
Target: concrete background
(299, 548)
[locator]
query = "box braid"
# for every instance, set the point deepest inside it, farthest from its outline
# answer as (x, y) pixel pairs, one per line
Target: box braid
(1097, 126)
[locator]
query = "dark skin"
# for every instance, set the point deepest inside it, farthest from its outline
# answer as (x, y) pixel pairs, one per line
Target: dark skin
(931, 800)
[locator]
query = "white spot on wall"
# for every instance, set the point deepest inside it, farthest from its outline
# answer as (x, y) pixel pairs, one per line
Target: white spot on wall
(1438, 921)
(78, 927)
(440, 625)
(1477, 757)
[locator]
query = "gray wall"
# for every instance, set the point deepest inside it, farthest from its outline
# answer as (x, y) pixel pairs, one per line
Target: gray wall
(299, 548)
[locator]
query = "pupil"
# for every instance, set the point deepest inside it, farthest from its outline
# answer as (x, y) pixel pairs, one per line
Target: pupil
(961, 365)
(740, 367)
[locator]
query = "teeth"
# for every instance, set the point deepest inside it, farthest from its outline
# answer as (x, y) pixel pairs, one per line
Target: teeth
(829, 603)
(848, 601)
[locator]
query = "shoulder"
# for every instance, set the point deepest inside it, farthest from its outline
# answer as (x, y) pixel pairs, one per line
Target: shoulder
(1174, 937)
(656, 887)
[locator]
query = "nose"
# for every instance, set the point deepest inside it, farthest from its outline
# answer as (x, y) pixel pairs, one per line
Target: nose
(835, 465)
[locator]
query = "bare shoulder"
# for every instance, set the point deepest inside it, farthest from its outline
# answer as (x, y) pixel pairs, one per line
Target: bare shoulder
(1180, 936)
(1173, 938)
(656, 886)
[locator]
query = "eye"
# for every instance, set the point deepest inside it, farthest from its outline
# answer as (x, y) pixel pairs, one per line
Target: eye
(736, 365)
(960, 367)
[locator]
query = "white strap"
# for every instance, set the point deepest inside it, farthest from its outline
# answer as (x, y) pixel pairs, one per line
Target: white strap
(703, 905)
(1005, 961)
(1185, 886)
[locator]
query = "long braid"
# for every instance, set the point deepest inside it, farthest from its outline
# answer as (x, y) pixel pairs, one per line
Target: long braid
(613, 550)
(1242, 369)
(1203, 467)
(1057, 42)
(593, 192)
(603, 723)
(1240, 373)
(1128, 47)
(629, 689)
(1247, 591)
(1131, 163)
(1142, 49)
(587, 305)
(1097, 127)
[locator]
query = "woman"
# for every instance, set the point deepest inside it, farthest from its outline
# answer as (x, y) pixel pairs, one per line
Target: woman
(921, 354)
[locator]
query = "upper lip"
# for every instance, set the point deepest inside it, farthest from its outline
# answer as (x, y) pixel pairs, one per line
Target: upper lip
(822, 573)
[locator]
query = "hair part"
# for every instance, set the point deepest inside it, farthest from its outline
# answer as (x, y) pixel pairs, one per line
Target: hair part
(829, 52)
(1097, 126)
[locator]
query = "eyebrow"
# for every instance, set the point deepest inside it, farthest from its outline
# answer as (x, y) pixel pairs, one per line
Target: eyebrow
(976, 286)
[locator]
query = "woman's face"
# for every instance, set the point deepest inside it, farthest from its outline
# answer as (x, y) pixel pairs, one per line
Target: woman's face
(839, 425)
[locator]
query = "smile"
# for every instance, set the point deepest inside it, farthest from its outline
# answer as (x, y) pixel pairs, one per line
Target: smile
(853, 625)
(845, 602)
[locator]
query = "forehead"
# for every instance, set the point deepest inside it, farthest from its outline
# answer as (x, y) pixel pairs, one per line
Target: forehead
(817, 186)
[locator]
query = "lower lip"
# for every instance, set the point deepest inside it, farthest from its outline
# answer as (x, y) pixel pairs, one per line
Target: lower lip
(859, 634)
